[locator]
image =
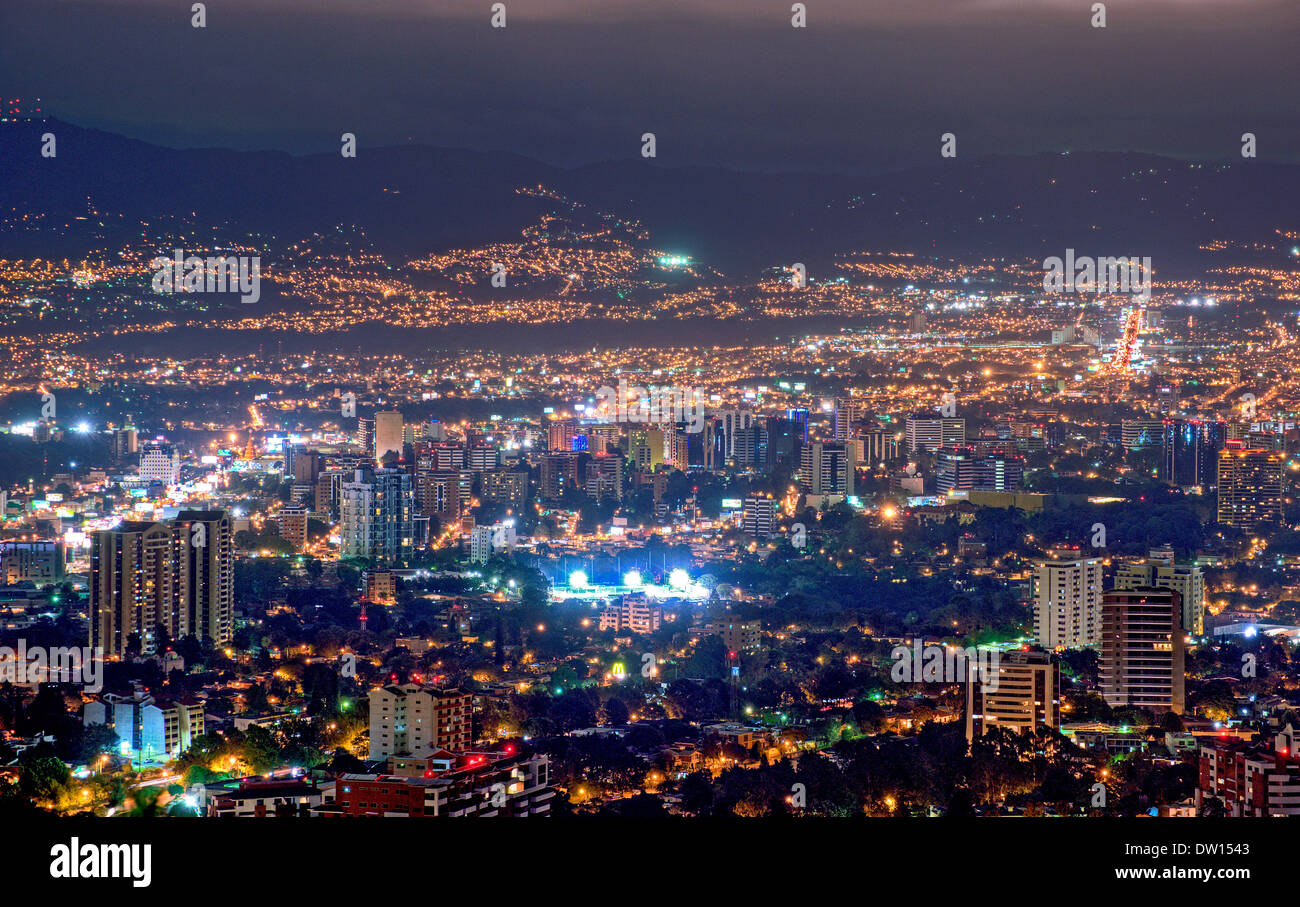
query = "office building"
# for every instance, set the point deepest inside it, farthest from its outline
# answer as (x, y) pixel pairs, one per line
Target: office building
(160, 463)
(1191, 451)
(388, 435)
(1023, 696)
(954, 469)
(38, 561)
(879, 445)
(826, 468)
(750, 446)
(731, 421)
(1136, 434)
(928, 433)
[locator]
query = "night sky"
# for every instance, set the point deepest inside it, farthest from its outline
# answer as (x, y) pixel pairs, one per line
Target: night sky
(869, 85)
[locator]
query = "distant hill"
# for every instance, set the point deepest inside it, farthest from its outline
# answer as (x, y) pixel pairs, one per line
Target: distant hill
(414, 200)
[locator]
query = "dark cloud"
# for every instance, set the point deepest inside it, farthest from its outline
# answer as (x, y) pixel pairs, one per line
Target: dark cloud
(868, 85)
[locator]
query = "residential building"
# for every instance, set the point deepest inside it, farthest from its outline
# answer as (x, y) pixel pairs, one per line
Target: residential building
(376, 516)
(1142, 649)
(1250, 487)
(1067, 602)
(631, 613)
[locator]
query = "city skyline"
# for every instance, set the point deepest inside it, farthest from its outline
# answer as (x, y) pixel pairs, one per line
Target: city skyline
(674, 410)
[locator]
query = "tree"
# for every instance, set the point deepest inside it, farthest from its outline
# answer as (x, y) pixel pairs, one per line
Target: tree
(43, 778)
(616, 712)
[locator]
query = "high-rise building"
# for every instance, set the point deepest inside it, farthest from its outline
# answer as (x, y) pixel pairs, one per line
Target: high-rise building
(1023, 695)
(560, 434)
(388, 435)
(439, 457)
(657, 482)
(160, 463)
(177, 576)
(677, 450)
(38, 561)
(800, 418)
(928, 433)
(1185, 579)
(732, 421)
(758, 516)
(125, 443)
(376, 516)
(826, 468)
(480, 457)
(633, 613)
(1138, 433)
(410, 719)
(999, 472)
(485, 541)
(557, 473)
(443, 495)
(847, 412)
(366, 434)
(750, 446)
(205, 574)
(504, 486)
(292, 519)
(954, 469)
(605, 478)
(303, 464)
(329, 491)
(1191, 451)
(1142, 645)
(1250, 487)
(706, 446)
(879, 445)
(132, 587)
(1067, 603)
(645, 447)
